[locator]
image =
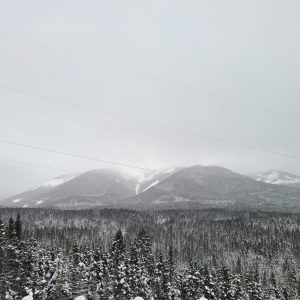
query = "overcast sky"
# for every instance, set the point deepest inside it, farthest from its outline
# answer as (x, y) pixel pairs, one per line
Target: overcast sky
(247, 51)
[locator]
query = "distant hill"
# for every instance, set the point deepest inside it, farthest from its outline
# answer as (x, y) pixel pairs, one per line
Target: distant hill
(278, 177)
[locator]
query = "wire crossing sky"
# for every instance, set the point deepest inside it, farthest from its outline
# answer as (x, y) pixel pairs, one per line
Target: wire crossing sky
(149, 77)
(214, 139)
(174, 83)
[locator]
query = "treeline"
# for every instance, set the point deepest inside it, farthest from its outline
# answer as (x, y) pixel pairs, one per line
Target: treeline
(131, 266)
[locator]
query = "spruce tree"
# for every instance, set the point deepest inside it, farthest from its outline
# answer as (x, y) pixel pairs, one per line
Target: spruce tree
(225, 284)
(18, 227)
(10, 229)
(119, 268)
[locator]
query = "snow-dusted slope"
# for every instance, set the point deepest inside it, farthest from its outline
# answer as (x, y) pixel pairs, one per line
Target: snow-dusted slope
(33, 197)
(149, 180)
(278, 177)
(77, 191)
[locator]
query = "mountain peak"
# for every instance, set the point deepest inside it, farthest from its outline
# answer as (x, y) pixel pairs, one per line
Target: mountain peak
(277, 177)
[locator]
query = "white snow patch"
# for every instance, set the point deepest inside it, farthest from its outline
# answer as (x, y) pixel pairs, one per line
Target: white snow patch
(29, 297)
(138, 298)
(39, 202)
(17, 200)
(151, 185)
(57, 181)
(137, 188)
(35, 188)
(170, 170)
(80, 298)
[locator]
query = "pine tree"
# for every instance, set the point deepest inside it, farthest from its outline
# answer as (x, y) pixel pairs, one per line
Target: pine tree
(77, 284)
(190, 283)
(237, 288)
(209, 284)
(141, 265)
(253, 287)
(225, 281)
(274, 290)
(119, 268)
(18, 227)
(10, 229)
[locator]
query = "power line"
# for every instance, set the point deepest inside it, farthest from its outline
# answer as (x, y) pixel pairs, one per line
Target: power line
(147, 76)
(32, 164)
(147, 123)
(60, 101)
(75, 155)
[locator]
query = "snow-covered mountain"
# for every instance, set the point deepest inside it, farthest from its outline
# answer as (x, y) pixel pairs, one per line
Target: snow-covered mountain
(193, 187)
(92, 188)
(212, 186)
(278, 177)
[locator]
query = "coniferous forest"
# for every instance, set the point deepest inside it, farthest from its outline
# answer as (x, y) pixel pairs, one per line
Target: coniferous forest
(123, 254)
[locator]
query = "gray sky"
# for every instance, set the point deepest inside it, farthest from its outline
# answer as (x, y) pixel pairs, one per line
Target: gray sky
(242, 50)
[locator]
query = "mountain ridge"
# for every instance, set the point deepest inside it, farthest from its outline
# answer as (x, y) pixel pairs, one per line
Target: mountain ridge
(190, 187)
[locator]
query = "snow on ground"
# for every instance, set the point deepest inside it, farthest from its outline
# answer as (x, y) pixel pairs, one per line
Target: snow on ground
(29, 297)
(138, 298)
(17, 200)
(80, 298)
(39, 202)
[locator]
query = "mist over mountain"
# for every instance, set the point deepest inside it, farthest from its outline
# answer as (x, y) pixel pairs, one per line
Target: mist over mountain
(192, 187)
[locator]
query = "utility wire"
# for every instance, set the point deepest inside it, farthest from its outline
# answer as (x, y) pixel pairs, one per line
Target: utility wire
(148, 123)
(32, 164)
(61, 101)
(147, 76)
(75, 155)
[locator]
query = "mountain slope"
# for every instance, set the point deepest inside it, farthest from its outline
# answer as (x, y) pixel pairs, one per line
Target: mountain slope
(92, 188)
(32, 197)
(278, 177)
(200, 186)
(151, 179)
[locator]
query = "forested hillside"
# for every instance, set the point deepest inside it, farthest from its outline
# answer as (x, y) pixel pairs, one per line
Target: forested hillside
(121, 254)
